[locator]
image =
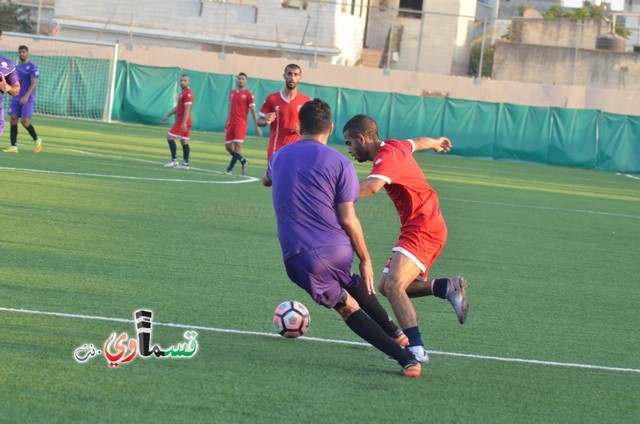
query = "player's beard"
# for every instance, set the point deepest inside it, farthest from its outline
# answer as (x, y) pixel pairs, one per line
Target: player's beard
(291, 85)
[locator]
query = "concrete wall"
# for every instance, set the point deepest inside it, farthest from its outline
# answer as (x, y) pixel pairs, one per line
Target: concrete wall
(405, 82)
(558, 32)
(439, 42)
(544, 65)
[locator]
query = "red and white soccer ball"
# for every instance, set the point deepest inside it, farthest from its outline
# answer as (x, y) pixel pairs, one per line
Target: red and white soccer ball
(291, 319)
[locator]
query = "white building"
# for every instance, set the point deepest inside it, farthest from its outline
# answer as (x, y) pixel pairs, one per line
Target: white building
(327, 30)
(318, 30)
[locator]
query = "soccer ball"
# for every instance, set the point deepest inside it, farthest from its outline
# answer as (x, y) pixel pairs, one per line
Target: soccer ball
(291, 319)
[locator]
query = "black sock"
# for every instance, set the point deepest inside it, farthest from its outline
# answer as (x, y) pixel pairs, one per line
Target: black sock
(14, 135)
(241, 158)
(370, 304)
(172, 147)
(414, 336)
(32, 132)
(234, 159)
(363, 326)
(440, 287)
(185, 153)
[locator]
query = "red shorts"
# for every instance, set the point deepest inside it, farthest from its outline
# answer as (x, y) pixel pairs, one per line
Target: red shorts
(421, 243)
(176, 131)
(235, 133)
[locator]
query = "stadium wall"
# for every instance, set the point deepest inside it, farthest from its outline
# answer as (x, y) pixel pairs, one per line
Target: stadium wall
(404, 82)
(548, 135)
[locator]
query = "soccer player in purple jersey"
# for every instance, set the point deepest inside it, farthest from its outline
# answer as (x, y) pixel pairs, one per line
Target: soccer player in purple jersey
(314, 191)
(22, 105)
(9, 83)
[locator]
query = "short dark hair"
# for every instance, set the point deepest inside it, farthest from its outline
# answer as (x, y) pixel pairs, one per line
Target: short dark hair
(315, 117)
(361, 124)
(25, 48)
(292, 66)
(242, 74)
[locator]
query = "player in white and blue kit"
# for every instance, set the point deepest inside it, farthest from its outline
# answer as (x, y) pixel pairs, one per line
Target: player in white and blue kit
(22, 105)
(8, 83)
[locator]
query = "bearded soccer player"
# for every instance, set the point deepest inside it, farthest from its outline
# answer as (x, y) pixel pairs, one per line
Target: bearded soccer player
(9, 83)
(241, 101)
(182, 127)
(423, 231)
(280, 110)
(22, 105)
(319, 231)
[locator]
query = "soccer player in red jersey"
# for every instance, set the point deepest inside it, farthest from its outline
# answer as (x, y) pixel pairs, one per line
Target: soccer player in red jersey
(241, 101)
(182, 127)
(280, 110)
(423, 231)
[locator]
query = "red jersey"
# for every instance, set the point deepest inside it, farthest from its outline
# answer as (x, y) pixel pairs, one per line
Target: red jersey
(406, 185)
(240, 102)
(284, 130)
(185, 98)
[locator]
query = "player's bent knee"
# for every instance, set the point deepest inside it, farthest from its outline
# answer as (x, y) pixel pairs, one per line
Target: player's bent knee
(346, 306)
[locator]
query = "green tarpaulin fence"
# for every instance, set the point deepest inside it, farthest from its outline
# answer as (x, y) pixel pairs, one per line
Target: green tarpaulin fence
(548, 135)
(566, 137)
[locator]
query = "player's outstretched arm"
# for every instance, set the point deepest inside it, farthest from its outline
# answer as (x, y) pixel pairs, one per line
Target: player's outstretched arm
(442, 144)
(351, 225)
(371, 186)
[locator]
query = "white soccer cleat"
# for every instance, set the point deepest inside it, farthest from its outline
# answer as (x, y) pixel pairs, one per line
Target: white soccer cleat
(420, 354)
(458, 297)
(185, 165)
(172, 164)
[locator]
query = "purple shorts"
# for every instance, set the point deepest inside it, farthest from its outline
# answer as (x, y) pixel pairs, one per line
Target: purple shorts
(23, 111)
(322, 273)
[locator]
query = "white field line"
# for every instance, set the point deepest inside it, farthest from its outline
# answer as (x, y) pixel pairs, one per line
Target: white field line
(244, 178)
(123, 177)
(317, 339)
(549, 208)
(84, 152)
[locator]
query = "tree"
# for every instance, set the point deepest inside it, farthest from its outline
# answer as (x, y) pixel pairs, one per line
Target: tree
(554, 12)
(523, 8)
(14, 18)
(585, 12)
(487, 60)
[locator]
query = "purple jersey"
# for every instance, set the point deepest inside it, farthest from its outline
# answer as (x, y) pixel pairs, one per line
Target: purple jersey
(27, 71)
(309, 180)
(8, 70)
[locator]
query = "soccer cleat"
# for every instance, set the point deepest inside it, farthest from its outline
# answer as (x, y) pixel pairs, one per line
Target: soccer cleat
(244, 166)
(172, 164)
(458, 297)
(420, 354)
(185, 165)
(412, 370)
(38, 145)
(402, 340)
(12, 149)
(227, 172)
